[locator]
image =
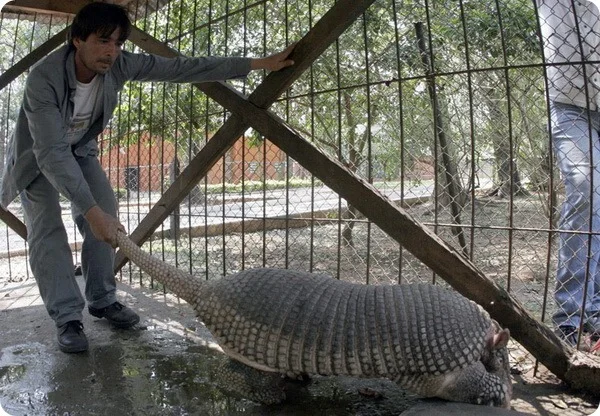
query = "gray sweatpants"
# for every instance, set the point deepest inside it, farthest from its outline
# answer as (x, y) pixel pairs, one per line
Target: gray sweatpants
(50, 257)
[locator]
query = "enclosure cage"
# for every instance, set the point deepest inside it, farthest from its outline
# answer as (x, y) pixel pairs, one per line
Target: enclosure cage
(437, 107)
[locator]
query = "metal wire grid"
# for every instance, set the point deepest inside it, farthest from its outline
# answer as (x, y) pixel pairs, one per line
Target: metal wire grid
(439, 104)
(19, 34)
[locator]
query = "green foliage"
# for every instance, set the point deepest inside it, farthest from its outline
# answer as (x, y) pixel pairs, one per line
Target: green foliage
(19, 35)
(120, 193)
(364, 101)
(254, 186)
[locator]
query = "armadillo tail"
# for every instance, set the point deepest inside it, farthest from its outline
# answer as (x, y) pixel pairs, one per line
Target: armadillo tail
(180, 283)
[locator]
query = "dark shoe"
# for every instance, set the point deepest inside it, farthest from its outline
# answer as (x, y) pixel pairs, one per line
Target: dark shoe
(117, 314)
(71, 337)
(568, 334)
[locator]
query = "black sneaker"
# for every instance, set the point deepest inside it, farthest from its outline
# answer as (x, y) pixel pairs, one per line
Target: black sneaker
(117, 314)
(71, 337)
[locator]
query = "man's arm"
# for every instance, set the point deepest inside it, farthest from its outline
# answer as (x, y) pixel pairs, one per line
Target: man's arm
(182, 69)
(50, 146)
(55, 158)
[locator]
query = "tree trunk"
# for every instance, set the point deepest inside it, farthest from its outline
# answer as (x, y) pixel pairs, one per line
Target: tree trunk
(354, 161)
(451, 193)
(174, 218)
(196, 195)
(508, 180)
(2, 151)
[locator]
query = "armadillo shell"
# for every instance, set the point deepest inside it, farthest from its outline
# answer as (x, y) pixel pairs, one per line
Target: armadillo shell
(297, 322)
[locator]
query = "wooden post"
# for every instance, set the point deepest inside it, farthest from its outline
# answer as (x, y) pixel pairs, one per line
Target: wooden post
(452, 266)
(333, 23)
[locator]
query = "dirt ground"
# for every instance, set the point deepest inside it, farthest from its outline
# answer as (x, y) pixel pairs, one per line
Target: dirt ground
(168, 365)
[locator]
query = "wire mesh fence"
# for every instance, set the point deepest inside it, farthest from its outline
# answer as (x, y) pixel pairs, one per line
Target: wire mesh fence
(441, 105)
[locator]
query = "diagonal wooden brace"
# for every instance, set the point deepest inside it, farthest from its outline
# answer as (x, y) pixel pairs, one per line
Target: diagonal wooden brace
(32, 57)
(448, 263)
(341, 15)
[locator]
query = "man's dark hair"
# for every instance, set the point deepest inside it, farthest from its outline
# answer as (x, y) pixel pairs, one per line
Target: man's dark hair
(102, 19)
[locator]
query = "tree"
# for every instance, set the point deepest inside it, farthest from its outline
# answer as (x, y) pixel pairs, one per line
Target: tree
(501, 34)
(365, 100)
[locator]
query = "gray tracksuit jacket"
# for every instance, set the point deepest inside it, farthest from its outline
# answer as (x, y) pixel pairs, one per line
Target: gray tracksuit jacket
(39, 144)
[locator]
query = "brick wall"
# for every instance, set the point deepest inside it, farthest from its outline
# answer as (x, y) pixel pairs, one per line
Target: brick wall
(144, 166)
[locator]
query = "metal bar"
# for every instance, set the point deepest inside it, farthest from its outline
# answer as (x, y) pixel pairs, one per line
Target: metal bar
(342, 14)
(32, 57)
(440, 133)
(471, 127)
(453, 267)
(45, 6)
(401, 124)
(511, 154)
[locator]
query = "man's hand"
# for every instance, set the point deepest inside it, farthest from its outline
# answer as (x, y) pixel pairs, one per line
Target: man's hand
(103, 225)
(274, 62)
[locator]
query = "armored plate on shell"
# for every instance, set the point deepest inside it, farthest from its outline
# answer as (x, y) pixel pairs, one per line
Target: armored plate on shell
(299, 322)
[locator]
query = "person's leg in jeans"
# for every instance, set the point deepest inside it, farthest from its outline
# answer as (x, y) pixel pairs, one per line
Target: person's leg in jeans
(51, 262)
(97, 257)
(577, 149)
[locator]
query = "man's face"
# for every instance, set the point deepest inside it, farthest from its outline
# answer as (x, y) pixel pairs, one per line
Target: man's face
(96, 54)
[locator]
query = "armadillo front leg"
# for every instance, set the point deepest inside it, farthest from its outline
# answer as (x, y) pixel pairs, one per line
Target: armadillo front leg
(474, 384)
(471, 384)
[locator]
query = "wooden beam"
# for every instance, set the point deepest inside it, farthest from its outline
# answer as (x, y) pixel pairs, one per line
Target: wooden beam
(453, 267)
(32, 57)
(341, 15)
(13, 222)
(65, 7)
(457, 270)
(68, 8)
(54, 7)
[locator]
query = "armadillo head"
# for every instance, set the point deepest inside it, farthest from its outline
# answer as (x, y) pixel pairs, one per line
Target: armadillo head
(495, 360)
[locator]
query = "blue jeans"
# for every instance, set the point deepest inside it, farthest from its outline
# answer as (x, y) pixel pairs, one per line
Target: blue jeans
(50, 256)
(576, 141)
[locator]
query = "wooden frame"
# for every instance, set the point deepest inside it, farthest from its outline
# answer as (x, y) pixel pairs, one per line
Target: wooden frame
(252, 111)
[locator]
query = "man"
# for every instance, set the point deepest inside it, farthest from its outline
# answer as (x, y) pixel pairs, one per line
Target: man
(571, 37)
(69, 98)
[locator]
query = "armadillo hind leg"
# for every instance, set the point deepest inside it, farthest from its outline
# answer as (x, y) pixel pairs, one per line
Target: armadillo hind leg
(252, 384)
(471, 384)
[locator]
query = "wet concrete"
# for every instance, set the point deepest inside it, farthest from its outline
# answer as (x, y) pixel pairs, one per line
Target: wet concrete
(168, 365)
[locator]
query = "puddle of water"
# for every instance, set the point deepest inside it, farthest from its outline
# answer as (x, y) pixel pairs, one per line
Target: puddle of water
(170, 377)
(11, 373)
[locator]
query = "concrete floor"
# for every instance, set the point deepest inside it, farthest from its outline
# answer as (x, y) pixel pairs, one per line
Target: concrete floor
(168, 366)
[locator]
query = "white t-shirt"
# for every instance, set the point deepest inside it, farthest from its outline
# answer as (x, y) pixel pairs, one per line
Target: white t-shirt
(85, 102)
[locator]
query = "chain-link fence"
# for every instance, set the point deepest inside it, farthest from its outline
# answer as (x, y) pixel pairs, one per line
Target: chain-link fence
(441, 105)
